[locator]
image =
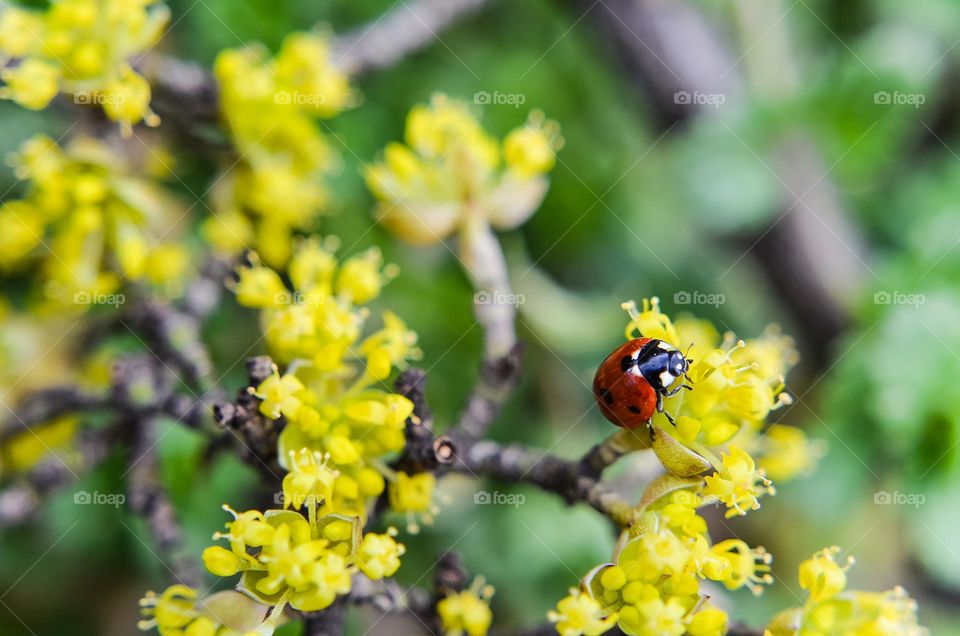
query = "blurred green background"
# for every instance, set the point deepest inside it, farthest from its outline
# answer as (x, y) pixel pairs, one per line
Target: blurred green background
(651, 196)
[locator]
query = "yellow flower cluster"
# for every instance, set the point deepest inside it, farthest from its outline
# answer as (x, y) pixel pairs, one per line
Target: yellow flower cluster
(466, 613)
(720, 422)
(175, 612)
(179, 611)
(452, 175)
(81, 47)
(286, 558)
(654, 586)
(327, 392)
(832, 609)
(90, 223)
(269, 106)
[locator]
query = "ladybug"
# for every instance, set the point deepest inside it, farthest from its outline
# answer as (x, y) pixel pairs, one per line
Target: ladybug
(633, 380)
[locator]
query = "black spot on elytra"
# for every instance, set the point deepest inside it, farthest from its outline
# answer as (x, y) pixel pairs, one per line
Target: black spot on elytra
(633, 409)
(626, 363)
(607, 396)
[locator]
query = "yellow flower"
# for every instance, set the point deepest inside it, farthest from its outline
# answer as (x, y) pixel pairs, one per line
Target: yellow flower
(832, 609)
(247, 529)
(413, 495)
(448, 174)
(379, 554)
(175, 612)
(32, 84)
(787, 453)
(82, 47)
(578, 614)
(467, 612)
(280, 395)
(822, 576)
(101, 222)
(738, 483)
(654, 587)
(328, 393)
(127, 100)
(306, 562)
(531, 149)
(310, 480)
(360, 277)
(259, 286)
(708, 621)
(744, 566)
(268, 106)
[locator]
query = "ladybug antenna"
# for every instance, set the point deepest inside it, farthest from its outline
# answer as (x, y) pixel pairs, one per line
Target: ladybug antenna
(689, 361)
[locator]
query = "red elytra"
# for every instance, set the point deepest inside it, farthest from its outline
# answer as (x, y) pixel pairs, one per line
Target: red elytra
(625, 398)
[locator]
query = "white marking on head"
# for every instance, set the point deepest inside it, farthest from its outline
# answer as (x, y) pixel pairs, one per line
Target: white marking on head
(666, 379)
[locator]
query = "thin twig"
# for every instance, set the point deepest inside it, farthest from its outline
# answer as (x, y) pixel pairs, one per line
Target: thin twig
(150, 500)
(44, 405)
(409, 27)
(498, 378)
(21, 500)
(520, 464)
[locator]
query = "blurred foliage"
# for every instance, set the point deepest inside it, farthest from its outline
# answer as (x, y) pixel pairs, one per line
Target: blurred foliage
(628, 215)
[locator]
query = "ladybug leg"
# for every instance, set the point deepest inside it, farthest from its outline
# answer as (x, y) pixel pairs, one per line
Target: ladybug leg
(673, 391)
(669, 418)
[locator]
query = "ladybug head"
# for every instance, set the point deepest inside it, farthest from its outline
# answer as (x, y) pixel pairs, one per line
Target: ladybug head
(677, 364)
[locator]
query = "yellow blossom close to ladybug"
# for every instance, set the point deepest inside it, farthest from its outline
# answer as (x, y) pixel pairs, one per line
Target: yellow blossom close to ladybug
(82, 48)
(654, 585)
(719, 426)
(86, 225)
(269, 106)
(326, 386)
